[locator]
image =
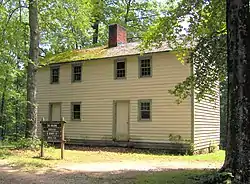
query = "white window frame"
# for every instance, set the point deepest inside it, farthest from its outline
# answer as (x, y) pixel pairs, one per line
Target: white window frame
(140, 111)
(140, 59)
(73, 72)
(72, 111)
(116, 70)
(51, 74)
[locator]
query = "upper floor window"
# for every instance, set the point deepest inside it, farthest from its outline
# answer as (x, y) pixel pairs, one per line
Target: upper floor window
(145, 108)
(76, 72)
(76, 111)
(54, 74)
(120, 69)
(145, 66)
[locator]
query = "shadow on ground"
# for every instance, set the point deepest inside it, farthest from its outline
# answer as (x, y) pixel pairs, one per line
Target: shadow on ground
(121, 150)
(9, 175)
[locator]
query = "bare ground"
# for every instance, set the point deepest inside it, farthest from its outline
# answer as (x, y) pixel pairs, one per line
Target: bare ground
(102, 172)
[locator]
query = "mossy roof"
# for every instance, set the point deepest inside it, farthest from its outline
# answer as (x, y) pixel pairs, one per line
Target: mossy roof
(100, 53)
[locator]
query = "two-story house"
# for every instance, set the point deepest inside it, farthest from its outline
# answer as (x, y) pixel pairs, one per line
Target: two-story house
(112, 95)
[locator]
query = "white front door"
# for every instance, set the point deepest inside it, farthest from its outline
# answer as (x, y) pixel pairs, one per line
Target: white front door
(55, 112)
(122, 120)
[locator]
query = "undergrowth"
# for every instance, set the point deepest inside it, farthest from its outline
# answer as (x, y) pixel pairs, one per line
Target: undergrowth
(214, 178)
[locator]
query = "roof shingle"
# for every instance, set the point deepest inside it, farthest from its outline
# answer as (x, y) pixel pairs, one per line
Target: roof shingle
(101, 52)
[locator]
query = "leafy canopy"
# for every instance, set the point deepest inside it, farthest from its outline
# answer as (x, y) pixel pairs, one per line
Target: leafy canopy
(197, 30)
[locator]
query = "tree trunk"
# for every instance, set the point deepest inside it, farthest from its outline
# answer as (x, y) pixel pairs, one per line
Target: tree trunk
(96, 32)
(2, 120)
(31, 124)
(227, 166)
(238, 60)
(129, 2)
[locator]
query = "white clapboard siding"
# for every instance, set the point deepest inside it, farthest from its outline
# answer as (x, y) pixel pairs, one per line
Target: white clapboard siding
(207, 121)
(98, 90)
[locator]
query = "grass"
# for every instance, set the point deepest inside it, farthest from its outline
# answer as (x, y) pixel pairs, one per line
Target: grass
(4, 153)
(150, 177)
(172, 177)
(30, 159)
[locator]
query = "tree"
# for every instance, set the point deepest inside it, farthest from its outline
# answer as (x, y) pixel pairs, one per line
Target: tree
(134, 15)
(200, 25)
(31, 126)
(64, 25)
(238, 61)
(205, 35)
(13, 50)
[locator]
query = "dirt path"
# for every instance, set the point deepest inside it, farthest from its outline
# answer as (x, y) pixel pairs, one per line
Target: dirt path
(103, 173)
(10, 175)
(138, 166)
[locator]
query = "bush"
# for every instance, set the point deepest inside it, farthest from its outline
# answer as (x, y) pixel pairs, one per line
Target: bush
(213, 148)
(27, 143)
(216, 178)
(4, 153)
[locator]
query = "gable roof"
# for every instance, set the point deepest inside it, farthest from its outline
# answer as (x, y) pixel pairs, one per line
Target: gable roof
(102, 52)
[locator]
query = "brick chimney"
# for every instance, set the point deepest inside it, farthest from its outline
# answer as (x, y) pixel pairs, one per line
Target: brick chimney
(117, 35)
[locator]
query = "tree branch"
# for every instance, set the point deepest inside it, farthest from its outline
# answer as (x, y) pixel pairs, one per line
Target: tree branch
(10, 16)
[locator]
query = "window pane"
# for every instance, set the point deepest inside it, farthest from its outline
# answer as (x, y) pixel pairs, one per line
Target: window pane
(120, 65)
(145, 71)
(76, 108)
(77, 115)
(77, 77)
(120, 69)
(120, 73)
(76, 111)
(55, 71)
(145, 63)
(145, 68)
(145, 110)
(145, 106)
(55, 78)
(77, 72)
(77, 69)
(55, 75)
(145, 114)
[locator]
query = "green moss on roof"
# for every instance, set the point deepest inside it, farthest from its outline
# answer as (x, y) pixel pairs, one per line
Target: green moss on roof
(127, 49)
(75, 55)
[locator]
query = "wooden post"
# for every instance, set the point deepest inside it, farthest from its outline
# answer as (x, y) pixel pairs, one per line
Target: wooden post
(62, 137)
(42, 138)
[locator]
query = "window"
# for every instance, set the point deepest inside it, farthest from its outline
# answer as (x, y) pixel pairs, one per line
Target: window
(145, 66)
(145, 110)
(54, 74)
(76, 72)
(120, 69)
(76, 110)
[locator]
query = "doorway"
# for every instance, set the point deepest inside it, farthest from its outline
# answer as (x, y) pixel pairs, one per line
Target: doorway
(121, 120)
(55, 112)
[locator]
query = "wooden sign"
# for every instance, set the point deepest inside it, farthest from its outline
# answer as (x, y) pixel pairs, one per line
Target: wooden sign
(52, 132)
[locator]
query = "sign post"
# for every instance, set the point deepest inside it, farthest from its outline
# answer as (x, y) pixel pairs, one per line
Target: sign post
(62, 138)
(52, 132)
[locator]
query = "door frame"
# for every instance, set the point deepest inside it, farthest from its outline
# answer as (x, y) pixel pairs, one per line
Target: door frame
(114, 127)
(50, 109)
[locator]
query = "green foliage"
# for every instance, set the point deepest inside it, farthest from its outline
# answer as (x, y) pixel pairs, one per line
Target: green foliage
(4, 153)
(216, 178)
(212, 147)
(65, 24)
(27, 143)
(196, 30)
(75, 55)
(190, 151)
(172, 177)
(174, 138)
